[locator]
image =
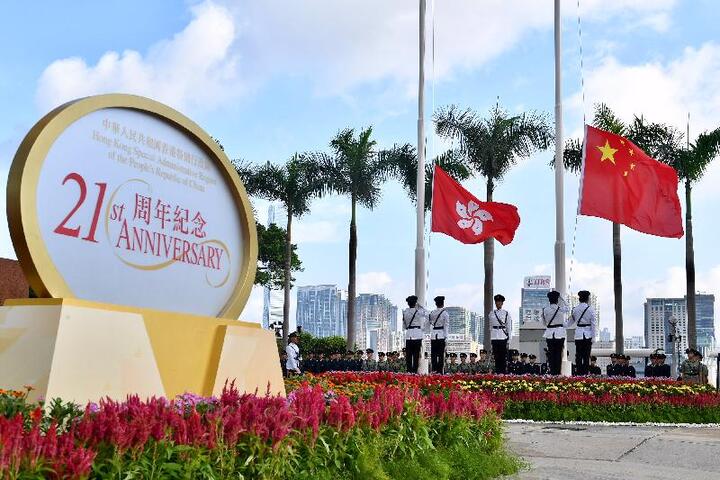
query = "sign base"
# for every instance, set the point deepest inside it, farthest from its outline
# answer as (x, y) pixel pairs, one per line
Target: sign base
(83, 351)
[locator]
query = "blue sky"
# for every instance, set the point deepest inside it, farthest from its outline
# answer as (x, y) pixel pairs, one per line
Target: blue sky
(272, 78)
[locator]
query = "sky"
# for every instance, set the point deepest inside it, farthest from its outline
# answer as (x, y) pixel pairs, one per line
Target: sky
(272, 78)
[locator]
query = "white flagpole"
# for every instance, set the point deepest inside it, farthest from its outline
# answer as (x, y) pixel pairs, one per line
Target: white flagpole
(560, 282)
(420, 245)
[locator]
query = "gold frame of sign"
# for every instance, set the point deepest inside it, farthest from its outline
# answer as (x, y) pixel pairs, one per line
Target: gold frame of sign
(83, 350)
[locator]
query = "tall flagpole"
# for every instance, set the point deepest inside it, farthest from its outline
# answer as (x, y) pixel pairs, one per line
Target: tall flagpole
(420, 245)
(560, 282)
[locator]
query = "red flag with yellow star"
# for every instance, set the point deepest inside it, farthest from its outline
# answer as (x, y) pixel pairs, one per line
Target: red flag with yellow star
(622, 184)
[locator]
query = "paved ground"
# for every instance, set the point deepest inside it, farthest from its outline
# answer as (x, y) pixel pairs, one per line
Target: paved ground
(588, 452)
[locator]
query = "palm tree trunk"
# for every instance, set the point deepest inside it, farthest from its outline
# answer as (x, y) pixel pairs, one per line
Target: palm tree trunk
(489, 258)
(286, 280)
(617, 286)
(690, 269)
(352, 278)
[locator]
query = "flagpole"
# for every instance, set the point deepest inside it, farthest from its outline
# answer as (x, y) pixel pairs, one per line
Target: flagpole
(560, 282)
(420, 244)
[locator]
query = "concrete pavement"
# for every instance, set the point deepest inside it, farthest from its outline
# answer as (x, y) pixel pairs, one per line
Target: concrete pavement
(602, 452)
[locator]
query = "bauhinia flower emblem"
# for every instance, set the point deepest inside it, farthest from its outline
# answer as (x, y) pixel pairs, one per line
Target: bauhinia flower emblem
(472, 216)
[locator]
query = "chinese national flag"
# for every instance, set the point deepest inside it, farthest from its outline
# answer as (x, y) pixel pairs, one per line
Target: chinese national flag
(457, 213)
(622, 184)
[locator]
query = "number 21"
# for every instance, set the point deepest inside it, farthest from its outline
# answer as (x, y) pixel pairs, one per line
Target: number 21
(62, 229)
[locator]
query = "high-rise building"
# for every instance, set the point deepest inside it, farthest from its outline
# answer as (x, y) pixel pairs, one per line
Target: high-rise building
(319, 310)
(658, 315)
(705, 321)
(373, 312)
(476, 327)
(459, 321)
(575, 300)
(605, 335)
(635, 341)
(533, 298)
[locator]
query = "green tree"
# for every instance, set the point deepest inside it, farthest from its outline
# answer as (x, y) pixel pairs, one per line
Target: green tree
(294, 184)
(491, 146)
(356, 170)
(272, 244)
(690, 160)
(404, 163)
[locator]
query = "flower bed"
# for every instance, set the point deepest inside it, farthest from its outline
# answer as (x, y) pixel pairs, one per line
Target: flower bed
(389, 432)
(550, 398)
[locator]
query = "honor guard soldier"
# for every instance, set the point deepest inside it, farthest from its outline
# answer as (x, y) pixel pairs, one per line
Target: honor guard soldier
(500, 332)
(651, 367)
(369, 365)
(464, 366)
(438, 325)
(474, 363)
(452, 366)
(594, 369)
(583, 317)
(626, 370)
(484, 366)
(693, 370)
(515, 367)
(523, 360)
(662, 369)
(552, 318)
(414, 318)
(533, 368)
(382, 365)
(293, 355)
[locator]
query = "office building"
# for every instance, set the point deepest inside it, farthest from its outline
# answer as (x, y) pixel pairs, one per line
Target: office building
(373, 312)
(319, 310)
(705, 321)
(476, 327)
(459, 321)
(533, 298)
(606, 336)
(660, 314)
(637, 341)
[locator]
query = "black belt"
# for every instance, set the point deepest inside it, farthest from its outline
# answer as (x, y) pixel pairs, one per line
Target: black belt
(438, 328)
(411, 328)
(555, 326)
(498, 328)
(584, 325)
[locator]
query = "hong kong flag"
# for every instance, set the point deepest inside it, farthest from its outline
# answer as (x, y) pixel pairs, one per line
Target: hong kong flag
(622, 184)
(459, 214)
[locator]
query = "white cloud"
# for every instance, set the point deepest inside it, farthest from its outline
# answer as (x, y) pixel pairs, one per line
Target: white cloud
(664, 92)
(231, 46)
(195, 67)
(317, 231)
(373, 282)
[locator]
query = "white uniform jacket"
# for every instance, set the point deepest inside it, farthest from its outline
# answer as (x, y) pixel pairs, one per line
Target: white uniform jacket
(293, 357)
(584, 316)
(554, 321)
(414, 323)
(500, 325)
(439, 324)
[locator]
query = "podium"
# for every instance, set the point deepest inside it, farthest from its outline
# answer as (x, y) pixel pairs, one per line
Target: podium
(83, 351)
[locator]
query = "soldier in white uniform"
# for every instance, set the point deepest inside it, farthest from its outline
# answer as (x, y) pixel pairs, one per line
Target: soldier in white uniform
(438, 326)
(293, 355)
(500, 332)
(552, 318)
(583, 316)
(414, 318)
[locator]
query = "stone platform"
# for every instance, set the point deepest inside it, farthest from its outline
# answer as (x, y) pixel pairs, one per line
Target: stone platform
(600, 452)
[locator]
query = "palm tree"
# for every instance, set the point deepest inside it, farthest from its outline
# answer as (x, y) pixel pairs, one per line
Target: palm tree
(295, 184)
(358, 171)
(690, 161)
(491, 147)
(658, 141)
(403, 165)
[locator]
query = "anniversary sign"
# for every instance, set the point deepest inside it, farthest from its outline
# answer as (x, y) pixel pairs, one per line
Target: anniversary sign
(120, 199)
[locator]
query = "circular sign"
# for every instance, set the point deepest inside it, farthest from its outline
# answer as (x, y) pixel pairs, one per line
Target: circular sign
(120, 199)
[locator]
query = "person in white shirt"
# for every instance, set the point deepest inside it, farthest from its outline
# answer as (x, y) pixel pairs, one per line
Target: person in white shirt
(552, 318)
(293, 355)
(500, 332)
(583, 317)
(438, 326)
(414, 318)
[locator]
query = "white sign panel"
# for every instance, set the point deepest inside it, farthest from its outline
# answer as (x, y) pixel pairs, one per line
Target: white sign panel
(537, 282)
(131, 210)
